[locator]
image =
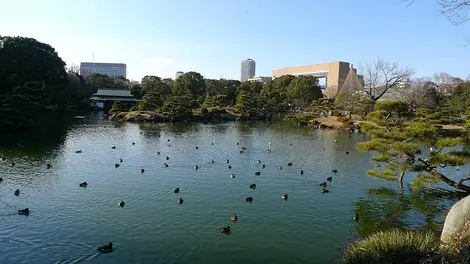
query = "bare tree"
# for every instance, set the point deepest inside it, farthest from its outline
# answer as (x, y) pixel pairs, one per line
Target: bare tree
(455, 10)
(422, 93)
(381, 77)
(446, 82)
(73, 69)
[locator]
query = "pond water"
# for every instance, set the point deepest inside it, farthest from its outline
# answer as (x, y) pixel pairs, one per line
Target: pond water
(67, 222)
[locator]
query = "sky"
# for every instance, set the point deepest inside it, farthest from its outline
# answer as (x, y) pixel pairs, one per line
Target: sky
(212, 37)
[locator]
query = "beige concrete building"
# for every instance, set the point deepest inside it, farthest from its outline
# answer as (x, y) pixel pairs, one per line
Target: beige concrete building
(263, 79)
(333, 73)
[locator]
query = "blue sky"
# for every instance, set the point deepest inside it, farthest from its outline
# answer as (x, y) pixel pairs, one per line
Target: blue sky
(213, 36)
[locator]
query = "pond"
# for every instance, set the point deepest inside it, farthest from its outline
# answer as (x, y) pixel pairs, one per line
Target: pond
(67, 223)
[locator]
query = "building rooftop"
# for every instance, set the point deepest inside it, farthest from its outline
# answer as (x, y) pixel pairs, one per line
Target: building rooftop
(113, 95)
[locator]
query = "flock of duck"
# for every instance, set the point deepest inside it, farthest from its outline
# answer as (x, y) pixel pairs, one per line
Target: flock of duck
(225, 229)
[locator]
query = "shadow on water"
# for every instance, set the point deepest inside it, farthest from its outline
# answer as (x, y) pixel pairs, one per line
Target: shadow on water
(386, 208)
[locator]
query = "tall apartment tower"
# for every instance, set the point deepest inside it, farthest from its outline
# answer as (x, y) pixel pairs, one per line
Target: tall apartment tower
(248, 69)
(178, 74)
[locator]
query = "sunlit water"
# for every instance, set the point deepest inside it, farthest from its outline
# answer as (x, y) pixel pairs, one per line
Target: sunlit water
(67, 222)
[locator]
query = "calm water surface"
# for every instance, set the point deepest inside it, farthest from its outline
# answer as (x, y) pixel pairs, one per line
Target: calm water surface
(67, 222)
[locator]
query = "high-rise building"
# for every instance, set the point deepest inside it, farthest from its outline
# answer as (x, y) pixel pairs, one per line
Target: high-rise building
(111, 69)
(248, 69)
(178, 74)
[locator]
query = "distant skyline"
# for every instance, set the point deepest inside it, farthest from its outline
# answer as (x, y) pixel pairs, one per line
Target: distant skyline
(213, 36)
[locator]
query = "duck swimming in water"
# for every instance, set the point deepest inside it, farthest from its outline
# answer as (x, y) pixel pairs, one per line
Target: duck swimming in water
(356, 217)
(323, 184)
(225, 229)
(228, 161)
(142, 170)
(229, 166)
(106, 248)
(197, 147)
(280, 167)
(249, 199)
(1, 179)
(334, 171)
(167, 158)
(196, 167)
(133, 143)
(165, 165)
(347, 152)
(284, 196)
(329, 179)
(121, 203)
(301, 172)
(78, 151)
(158, 152)
(241, 151)
(3, 159)
(17, 192)
(180, 200)
(253, 186)
(49, 166)
(264, 166)
(232, 175)
(13, 164)
(177, 190)
(113, 147)
(117, 165)
(258, 161)
(24, 211)
(324, 190)
(258, 173)
(289, 164)
(212, 161)
(234, 217)
(83, 184)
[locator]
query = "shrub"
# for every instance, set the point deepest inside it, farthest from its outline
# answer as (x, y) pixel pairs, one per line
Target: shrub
(303, 117)
(394, 246)
(397, 106)
(337, 114)
(204, 110)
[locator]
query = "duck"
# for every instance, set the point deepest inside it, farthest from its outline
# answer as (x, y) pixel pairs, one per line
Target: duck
(23, 211)
(329, 179)
(78, 151)
(249, 199)
(180, 200)
(324, 190)
(229, 166)
(158, 152)
(177, 190)
(165, 165)
(238, 143)
(334, 171)
(234, 217)
(301, 172)
(356, 217)
(142, 170)
(83, 184)
(253, 186)
(168, 140)
(13, 164)
(121, 203)
(457, 168)
(280, 167)
(120, 160)
(232, 175)
(113, 147)
(258, 173)
(17, 192)
(117, 165)
(3, 159)
(241, 151)
(323, 149)
(284, 196)
(196, 167)
(244, 148)
(212, 143)
(212, 161)
(347, 152)
(133, 143)
(228, 161)
(264, 166)
(197, 147)
(291, 144)
(289, 164)
(167, 158)
(106, 248)
(1, 179)
(258, 161)
(225, 229)
(49, 166)
(323, 184)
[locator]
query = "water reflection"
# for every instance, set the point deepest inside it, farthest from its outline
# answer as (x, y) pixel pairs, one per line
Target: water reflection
(386, 208)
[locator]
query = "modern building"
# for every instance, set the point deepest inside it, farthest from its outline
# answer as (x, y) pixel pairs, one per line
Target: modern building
(248, 69)
(263, 79)
(178, 74)
(104, 98)
(111, 69)
(332, 75)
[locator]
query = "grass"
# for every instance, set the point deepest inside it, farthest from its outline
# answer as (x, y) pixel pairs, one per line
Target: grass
(394, 246)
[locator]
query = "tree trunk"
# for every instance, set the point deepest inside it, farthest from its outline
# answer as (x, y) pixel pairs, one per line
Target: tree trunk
(402, 174)
(443, 178)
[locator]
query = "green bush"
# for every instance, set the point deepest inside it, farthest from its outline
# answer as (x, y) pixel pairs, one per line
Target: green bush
(397, 106)
(216, 109)
(204, 110)
(337, 114)
(394, 246)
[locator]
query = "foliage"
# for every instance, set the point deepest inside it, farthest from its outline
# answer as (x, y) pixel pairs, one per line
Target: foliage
(248, 99)
(394, 246)
(399, 107)
(216, 100)
(356, 103)
(152, 83)
(460, 98)
(151, 102)
(100, 81)
(274, 93)
(322, 106)
(119, 107)
(177, 107)
(303, 90)
(136, 90)
(190, 83)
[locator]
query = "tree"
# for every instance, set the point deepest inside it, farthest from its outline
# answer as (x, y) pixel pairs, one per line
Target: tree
(190, 83)
(422, 93)
(103, 81)
(151, 102)
(381, 77)
(26, 59)
(119, 107)
(455, 10)
(446, 82)
(396, 140)
(355, 103)
(169, 82)
(152, 83)
(460, 98)
(178, 107)
(136, 90)
(322, 106)
(248, 99)
(303, 90)
(274, 93)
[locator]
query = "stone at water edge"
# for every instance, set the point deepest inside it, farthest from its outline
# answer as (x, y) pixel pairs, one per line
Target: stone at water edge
(456, 219)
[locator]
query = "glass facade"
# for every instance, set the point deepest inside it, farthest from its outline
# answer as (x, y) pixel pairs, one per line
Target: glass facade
(111, 69)
(248, 69)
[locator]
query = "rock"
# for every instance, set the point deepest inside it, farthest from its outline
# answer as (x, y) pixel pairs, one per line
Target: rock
(456, 219)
